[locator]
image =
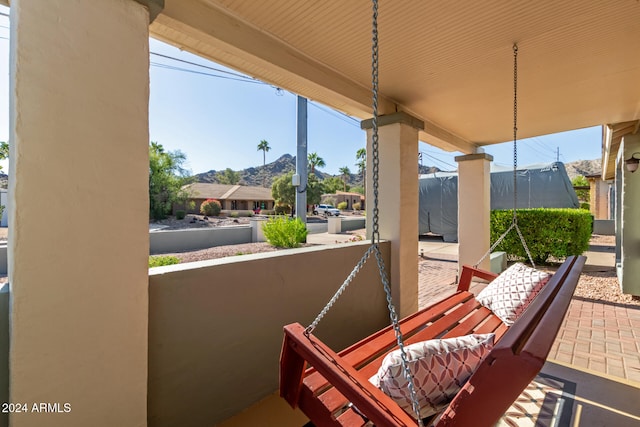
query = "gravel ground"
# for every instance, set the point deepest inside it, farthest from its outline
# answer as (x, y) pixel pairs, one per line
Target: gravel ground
(603, 285)
(198, 221)
(223, 251)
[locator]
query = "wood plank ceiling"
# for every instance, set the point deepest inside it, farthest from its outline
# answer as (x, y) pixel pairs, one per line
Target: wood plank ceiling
(448, 63)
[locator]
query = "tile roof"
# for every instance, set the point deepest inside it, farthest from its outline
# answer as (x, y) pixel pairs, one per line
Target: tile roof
(202, 190)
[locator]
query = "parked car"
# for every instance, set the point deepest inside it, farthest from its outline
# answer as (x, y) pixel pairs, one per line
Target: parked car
(326, 210)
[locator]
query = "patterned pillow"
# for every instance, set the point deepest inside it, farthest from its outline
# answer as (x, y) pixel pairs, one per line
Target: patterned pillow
(439, 368)
(512, 291)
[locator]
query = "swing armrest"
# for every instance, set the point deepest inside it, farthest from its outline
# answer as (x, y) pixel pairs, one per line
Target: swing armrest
(302, 349)
(468, 273)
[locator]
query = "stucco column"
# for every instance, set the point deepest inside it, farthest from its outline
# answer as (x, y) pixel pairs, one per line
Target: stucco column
(398, 201)
(630, 223)
(474, 208)
(78, 222)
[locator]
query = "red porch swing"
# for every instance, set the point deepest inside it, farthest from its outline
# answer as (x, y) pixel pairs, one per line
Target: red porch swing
(333, 389)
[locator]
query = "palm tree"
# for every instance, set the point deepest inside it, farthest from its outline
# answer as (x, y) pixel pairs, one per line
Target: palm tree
(264, 146)
(315, 161)
(346, 173)
(361, 157)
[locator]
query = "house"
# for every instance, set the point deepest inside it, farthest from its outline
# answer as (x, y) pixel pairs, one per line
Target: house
(344, 196)
(197, 344)
(231, 197)
(601, 197)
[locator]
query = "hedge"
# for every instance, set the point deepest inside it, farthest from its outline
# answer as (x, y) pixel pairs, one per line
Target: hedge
(556, 233)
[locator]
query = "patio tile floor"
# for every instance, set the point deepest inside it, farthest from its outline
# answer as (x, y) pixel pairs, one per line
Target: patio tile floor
(598, 347)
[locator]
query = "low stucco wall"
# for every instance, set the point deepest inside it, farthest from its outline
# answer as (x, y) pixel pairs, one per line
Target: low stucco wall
(215, 327)
(164, 241)
(350, 224)
(605, 227)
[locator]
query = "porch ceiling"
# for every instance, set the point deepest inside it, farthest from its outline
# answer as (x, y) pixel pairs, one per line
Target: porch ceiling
(449, 65)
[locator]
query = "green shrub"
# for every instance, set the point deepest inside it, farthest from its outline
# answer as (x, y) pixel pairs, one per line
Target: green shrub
(548, 232)
(342, 206)
(356, 206)
(160, 260)
(268, 212)
(282, 210)
(210, 207)
(585, 205)
(180, 214)
(234, 214)
(283, 232)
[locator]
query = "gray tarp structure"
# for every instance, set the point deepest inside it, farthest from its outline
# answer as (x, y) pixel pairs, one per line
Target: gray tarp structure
(539, 186)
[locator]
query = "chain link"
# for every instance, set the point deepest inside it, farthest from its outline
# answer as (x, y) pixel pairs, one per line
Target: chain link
(375, 234)
(339, 292)
(514, 221)
(515, 132)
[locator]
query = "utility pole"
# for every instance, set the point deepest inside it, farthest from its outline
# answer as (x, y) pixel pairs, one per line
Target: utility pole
(300, 178)
(557, 154)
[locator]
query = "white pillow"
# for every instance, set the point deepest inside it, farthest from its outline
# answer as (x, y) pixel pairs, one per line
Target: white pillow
(509, 294)
(439, 367)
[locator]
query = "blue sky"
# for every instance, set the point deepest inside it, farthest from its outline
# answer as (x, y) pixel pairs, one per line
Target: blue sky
(218, 122)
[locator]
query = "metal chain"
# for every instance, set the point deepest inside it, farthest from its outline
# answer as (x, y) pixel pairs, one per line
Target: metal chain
(339, 292)
(515, 132)
(514, 221)
(393, 316)
(375, 233)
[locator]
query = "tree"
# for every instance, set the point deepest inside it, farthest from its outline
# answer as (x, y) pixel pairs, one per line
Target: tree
(264, 146)
(361, 163)
(315, 190)
(282, 190)
(228, 176)
(315, 161)
(4, 151)
(583, 195)
(346, 174)
(166, 179)
(332, 184)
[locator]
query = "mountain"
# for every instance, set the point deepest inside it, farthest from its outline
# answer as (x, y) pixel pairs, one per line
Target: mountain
(583, 167)
(256, 175)
(267, 173)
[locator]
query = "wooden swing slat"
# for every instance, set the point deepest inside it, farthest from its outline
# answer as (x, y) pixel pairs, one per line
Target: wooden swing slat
(334, 400)
(468, 326)
(360, 352)
(517, 357)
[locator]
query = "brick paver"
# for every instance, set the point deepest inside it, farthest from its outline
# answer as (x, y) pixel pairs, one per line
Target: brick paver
(600, 336)
(595, 335)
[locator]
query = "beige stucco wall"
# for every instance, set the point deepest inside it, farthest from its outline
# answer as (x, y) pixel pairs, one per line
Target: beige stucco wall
(599, 198)
(630, 229)
(215, 331)
(79, 113)
(474, 209)
(398, 202)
